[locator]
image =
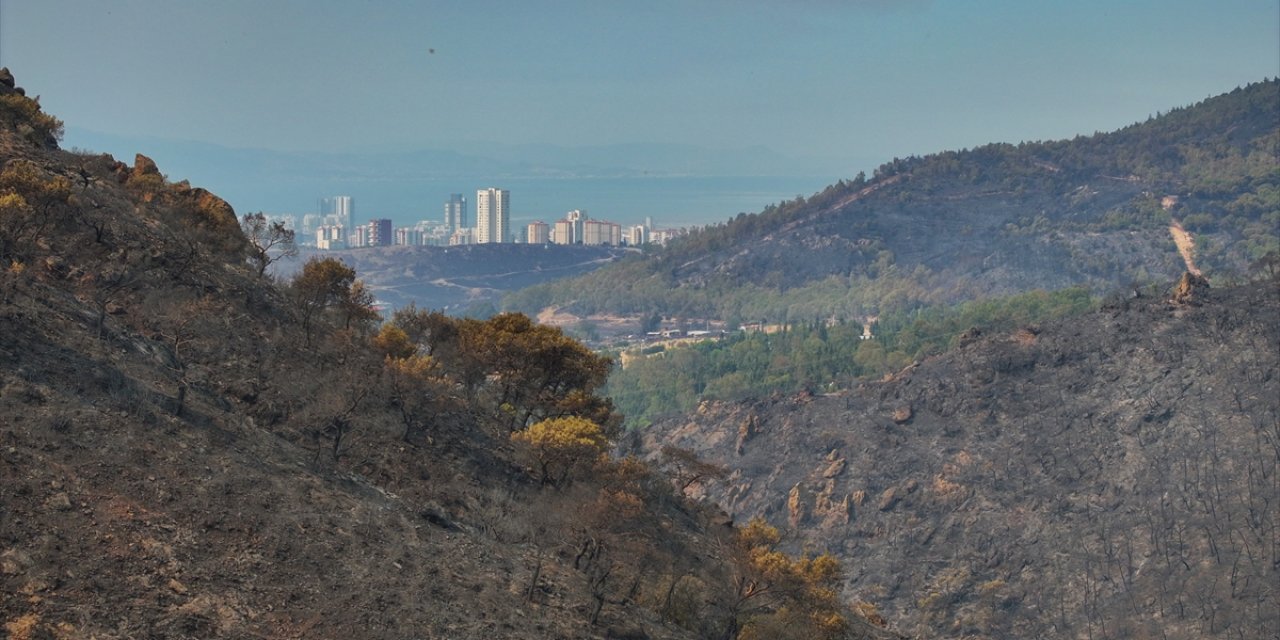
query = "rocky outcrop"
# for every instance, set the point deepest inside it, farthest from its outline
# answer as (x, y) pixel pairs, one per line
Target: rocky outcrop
(1190, 288)
(746, 431)
(835, 465)
(903, 414)
(213, 209)
(798, 504)
(144, 166)
(889, 499)
(831, 507)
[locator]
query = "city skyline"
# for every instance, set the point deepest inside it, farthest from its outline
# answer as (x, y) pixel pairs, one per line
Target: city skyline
(333, 227)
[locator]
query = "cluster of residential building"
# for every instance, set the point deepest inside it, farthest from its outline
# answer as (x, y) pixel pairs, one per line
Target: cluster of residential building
(333, 227)
(577, 228)
(493, 218)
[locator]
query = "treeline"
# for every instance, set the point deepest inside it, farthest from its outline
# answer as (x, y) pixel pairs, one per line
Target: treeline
(818, 355)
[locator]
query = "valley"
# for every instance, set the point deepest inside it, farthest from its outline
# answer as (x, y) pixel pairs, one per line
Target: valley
(456, 279)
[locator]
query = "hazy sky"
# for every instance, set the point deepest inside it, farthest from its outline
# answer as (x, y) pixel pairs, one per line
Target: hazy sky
(809, 78)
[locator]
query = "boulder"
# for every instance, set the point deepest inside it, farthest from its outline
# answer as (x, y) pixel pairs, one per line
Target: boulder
(889, 499)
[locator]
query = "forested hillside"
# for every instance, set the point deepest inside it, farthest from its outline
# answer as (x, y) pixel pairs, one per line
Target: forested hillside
(818, 356)
(1094, 211)
(1113, 475)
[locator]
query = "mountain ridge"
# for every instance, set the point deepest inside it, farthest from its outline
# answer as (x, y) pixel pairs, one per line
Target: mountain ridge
(992, 220)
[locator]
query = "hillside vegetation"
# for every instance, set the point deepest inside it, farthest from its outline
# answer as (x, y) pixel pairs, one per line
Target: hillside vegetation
(1113, 475)
(191, 449)
(816, 356)
(1093, 211)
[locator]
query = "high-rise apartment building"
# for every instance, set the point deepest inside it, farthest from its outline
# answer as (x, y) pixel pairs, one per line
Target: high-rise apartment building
(310, 222)
(331, 237)
(338, 210)
(578, 219)
(637, 235)
(538, 232)
(596, 232)
(493, 215)
(345, 209)
(462, 236)
(380, 233)
(563, 232)
(409, 236)
(661, 236)
(359, 237)
(455, 212)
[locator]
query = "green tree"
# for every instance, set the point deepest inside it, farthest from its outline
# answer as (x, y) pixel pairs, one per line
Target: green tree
(1268, 266)
(651, 322)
